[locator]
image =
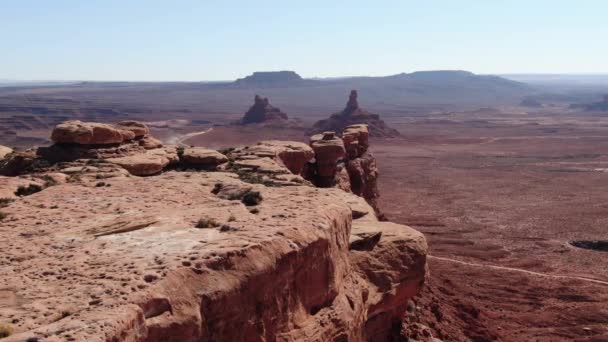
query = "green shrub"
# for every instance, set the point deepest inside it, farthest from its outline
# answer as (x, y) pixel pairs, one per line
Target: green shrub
(4, 202)
(28, 190)
(48, 181)
(217, 188)
(251, 198)
(206, 222)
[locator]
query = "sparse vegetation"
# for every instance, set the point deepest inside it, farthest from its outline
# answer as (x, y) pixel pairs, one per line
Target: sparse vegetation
(252, 198)
(254, 210)
(28, 190)
(250, 177)
(5, 330)
(48, 181)
(206, 222)
(231, 218)
(4, 202)
(217, 188)
(100, 184)
(3, 216)
(226, 151)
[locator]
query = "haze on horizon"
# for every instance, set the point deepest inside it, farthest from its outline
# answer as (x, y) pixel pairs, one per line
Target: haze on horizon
(193, 40)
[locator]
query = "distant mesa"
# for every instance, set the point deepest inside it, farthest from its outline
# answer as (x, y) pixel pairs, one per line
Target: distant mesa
(263, 112)
(601, 106)
(352, 114)
(268, 79)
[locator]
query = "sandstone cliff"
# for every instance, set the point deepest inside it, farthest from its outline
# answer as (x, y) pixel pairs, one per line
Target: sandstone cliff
(209, 246)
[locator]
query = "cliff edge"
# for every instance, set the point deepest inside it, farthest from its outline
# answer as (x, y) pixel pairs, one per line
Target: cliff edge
(111, 236)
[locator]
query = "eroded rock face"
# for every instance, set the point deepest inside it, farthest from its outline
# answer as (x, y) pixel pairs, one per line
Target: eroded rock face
(4, 151)
(352, 114)
(252, 252)
(346, 164)
(262, 112)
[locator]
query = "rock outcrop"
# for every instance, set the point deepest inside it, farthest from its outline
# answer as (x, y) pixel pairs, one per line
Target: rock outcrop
(4, 151)
(346, 163)
(263, 112)
(353, 114)
(248, 250)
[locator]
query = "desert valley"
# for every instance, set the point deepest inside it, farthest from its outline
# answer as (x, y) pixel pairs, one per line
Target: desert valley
(425, 206)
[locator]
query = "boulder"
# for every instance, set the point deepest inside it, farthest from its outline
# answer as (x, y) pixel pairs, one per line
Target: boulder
(202, 157)
(139, 129)
(5, 151)
(89, 133)
(149, 143)
(293, 155)
(145, 164)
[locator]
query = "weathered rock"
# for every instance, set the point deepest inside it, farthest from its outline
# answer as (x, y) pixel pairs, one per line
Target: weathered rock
(137, 268)
(89, 133)
(4, 151)
(144, 164)
(329, 150)
(203, 157)
(352, 114)
(149, 143)
(293, 155)
(262, 112)
(139, 129)
(351, 168)
(356, 140)
(248, 254)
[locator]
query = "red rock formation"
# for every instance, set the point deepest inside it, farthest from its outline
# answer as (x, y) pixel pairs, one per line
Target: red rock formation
(352, 114)
(123, 260)
(262, 112)
(346, 163)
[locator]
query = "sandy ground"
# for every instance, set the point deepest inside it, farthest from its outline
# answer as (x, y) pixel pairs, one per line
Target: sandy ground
(499, 201)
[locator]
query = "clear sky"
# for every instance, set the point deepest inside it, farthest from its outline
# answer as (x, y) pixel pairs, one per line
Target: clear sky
(222, 40)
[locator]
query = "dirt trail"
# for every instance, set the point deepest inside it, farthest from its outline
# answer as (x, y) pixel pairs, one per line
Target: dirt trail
(180, 140)
(511, 269)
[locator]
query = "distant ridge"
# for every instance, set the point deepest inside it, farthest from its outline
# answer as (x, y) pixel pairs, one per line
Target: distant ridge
(282, 78)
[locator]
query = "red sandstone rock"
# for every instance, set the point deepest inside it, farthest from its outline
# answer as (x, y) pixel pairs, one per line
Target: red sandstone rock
(203, 157)
(87, 133)
(4, 151)
(149, 143)
(122, 260)
(139, 129)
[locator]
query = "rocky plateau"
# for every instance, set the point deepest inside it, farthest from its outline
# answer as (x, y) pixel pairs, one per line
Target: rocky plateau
(111, 235)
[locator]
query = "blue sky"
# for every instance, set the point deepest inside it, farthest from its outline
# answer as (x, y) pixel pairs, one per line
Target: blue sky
(192, 40)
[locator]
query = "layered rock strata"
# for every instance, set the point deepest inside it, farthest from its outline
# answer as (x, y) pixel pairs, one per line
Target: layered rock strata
(246, 250)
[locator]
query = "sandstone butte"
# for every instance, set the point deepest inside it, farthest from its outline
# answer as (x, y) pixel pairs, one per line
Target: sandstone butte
(271, 242)
(353, 114)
